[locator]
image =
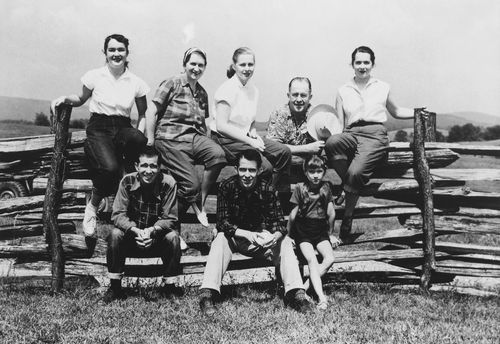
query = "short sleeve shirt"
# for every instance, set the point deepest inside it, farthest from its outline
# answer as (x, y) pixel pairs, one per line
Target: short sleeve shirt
(111, 96)
(364, 105)
(182, 110)
(312, 205)
(243, 102)
(283, 128)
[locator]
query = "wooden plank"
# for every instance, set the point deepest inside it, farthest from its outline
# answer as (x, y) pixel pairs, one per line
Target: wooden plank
(38, 143)
(40, 183)
(463, 174)
(456, 147)
(24, 203)
(460, 223)
(467, 248)
(74, 245)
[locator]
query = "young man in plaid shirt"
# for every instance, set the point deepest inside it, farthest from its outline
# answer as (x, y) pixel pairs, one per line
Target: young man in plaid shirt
(250, 221)
(145, 215)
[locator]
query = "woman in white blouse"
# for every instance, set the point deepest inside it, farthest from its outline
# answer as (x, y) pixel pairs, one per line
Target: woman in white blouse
(112, 90)
(235, 112)
(362, 105)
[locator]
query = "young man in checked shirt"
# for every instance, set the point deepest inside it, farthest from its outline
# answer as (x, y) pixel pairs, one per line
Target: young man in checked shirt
(250, 221)
(145, 215)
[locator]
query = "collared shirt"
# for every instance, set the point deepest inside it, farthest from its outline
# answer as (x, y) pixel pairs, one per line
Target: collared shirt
(253, 210)
(132, 208)
(283, 127)
(111, 96)
(182, 110)
(364, 105)
(243, 102)
(312, 205)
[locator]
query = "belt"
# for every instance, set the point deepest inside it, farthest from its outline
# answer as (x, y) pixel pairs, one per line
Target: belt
(362, 123)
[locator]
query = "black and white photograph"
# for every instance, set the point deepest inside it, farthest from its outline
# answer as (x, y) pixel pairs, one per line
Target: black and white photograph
(234, 171)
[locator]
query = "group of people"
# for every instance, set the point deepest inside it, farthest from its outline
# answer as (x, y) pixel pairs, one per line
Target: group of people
(151, 168)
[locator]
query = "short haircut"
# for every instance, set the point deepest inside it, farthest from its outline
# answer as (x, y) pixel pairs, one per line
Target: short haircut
(300, 78)
(148, 151)
(313, 162)
(250, 155)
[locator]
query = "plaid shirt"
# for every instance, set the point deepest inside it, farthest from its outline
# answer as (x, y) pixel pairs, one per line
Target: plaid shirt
(133, 209)
(282, 128)
(182, 112)
(253, 210)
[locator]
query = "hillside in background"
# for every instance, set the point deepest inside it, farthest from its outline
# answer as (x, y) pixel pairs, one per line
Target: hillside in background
(25, 109)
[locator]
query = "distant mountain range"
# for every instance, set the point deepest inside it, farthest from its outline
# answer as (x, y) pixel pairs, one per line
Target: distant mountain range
(25, 109)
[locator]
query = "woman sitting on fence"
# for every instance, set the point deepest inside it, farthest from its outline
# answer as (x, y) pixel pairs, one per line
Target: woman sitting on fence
(311, 221)
(176, 125)
(362, 105)
(235, 112)
(112, 90)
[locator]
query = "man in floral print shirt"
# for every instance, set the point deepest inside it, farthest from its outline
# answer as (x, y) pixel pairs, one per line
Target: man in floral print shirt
(288, 123)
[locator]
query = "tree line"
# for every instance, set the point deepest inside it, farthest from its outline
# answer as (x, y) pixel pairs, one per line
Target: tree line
(457, 133)
(43, 120)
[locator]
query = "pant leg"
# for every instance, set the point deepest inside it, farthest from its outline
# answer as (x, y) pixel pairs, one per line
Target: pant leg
(207, 152)
(101, 154)
(218, 260)
(340, 150)
(286, 260)
(169, 249)
(129, 142)
(116, 253)
(177, 159)
(371, 152)
(278, 154)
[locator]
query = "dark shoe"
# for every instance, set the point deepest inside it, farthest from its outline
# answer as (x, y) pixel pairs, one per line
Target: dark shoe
(345, 234)
(114, 294)
(207, 302)
(297, 300)
(172, 290)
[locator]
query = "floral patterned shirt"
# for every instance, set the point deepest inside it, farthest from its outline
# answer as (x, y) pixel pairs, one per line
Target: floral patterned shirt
(283, 127)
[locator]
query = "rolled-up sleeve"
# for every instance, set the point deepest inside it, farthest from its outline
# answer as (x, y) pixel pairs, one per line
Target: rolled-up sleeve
(169, 217)
(119, 216)
(273, 130)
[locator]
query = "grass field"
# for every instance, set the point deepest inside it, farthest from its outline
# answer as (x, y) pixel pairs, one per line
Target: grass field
(358, 313)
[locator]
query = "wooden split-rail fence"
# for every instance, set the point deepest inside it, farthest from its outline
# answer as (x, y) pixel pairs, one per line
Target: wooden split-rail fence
(39, 239)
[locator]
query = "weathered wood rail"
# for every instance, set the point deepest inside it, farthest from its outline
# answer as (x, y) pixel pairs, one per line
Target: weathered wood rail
(439, 205)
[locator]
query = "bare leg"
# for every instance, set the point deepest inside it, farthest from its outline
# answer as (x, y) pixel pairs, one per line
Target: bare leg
(351, 199)
(326, 251)
(209, 178)
(310, 255)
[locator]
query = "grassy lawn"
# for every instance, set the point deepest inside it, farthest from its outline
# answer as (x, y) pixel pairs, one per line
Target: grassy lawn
(366, 313)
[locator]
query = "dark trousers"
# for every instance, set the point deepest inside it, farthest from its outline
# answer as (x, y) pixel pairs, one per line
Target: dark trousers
(355, 153)
(112, 146)
(275, 158)
(121, 245)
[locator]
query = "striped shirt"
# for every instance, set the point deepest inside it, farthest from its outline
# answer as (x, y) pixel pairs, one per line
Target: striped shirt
(253, 210)
(182, 110)
(158, 208)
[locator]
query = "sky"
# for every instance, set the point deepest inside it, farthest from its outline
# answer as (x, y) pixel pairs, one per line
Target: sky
(442, 54)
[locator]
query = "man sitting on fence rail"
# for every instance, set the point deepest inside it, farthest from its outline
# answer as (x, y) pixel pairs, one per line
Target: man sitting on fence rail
(144, 213)
(250, 221)
(288, 123)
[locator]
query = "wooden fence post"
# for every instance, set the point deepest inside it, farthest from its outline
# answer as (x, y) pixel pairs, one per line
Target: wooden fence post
(53, 196)
(425, 130)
